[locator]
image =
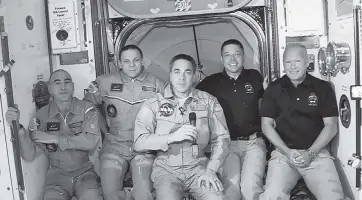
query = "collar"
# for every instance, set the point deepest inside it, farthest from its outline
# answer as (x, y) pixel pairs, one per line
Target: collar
(306, 82)
(54, 110)
(168, 92)
(127, 79)
(242, 73)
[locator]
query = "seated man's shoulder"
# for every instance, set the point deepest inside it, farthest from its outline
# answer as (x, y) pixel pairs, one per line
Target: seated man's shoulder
(202, 95)
(252, 72)
(320, 82)
(84, 106)
(43, 112)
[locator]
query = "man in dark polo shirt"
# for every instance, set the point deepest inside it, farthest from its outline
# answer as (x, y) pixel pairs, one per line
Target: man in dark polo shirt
(238, 91)
(305, 112)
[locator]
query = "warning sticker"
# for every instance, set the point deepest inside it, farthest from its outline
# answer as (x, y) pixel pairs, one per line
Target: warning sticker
(182, 5)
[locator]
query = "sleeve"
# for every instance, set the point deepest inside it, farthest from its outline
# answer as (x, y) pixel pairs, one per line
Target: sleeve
(260, 84)
(220, 137)
(328, 104)
(89, 137)
(94, 92)
(144, 134)
(268, 107)
(30, 150)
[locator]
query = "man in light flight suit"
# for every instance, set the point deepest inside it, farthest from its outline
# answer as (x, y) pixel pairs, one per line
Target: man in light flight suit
(72, 126)
(162, 125)
(122, 94)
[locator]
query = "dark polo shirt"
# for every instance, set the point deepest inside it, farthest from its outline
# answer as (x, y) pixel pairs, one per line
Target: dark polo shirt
(238, 98)
(299, 111)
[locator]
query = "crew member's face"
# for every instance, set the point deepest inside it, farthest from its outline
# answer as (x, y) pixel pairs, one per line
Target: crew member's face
(131, 62)
(181, 76)
(61, 86)
(232, 58)
(295, 64)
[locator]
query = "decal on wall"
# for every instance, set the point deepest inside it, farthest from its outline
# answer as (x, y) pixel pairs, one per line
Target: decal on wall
(345, 111)
(29, 22)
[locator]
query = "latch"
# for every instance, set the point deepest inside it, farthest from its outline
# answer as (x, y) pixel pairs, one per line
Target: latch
(354, 161)
(7, 67)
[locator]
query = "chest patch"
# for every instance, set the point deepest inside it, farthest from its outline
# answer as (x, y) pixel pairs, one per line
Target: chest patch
(53, 126)
(148, 88)
(166, 109)
(116, 87)
(249, 88)
(75, 124)
(312, 99)
(198, 107)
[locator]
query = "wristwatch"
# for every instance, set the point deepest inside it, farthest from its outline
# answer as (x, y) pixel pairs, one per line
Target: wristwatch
(311, 153)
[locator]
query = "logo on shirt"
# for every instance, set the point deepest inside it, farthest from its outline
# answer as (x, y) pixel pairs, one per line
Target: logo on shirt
(111, 110)
(53, 126)
(75, 124)
(148, 88)
(116, 87)
(166, 110)
(198, 107)
(249, 88)
(312, 99)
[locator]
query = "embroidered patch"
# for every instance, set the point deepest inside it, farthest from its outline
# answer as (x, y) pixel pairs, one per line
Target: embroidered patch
(75, 124)
(313, 99)
(166, 109)
(111, 110)
(249, 88)
(149, 88)
(116, 87)
(53, 126)
(93, 87)
(198, 107)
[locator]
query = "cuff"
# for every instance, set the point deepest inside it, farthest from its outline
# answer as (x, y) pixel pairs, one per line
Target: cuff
(63, 143)
(213, 165)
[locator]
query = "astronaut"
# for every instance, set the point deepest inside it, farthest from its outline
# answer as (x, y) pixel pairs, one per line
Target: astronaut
(121, 94)
(66, 130)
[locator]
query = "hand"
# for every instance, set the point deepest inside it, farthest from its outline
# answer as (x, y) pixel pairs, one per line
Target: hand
(208, 179)
(33, 125)
(12, 114)
(45, 138)
(295, 157)
(304, 160)
(186, 132)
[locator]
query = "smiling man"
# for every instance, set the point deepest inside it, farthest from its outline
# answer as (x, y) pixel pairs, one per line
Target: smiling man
(71, 126)
(306, 116)
(179, 123)
(121, 95)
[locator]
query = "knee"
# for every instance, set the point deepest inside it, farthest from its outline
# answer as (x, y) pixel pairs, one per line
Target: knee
(91, 194)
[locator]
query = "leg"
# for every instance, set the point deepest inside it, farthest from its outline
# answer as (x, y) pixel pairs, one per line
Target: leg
(167, 185)
(113, 170)
(201, 193)
(57, 186)
(230, 177)
(253, 169)
(322, 178)
(141, 168)
(281, 178)
(87, 188)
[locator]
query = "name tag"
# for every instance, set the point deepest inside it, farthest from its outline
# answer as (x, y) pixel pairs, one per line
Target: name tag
(195, 150)
(75, 124)
(53, 126)
(149, 88)
(116, 87)
(198, 107)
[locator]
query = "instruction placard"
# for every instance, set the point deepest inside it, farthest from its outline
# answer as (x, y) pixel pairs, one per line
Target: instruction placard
(62, 23)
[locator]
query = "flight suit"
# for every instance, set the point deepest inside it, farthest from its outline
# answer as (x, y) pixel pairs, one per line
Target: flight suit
(122, 98)
(71, 172)
(178, 166)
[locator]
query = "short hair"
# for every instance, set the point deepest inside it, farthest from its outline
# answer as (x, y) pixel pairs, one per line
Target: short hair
(234, 42)
(130, 47)
(299, 46)
(183, 57)
(56, 71)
